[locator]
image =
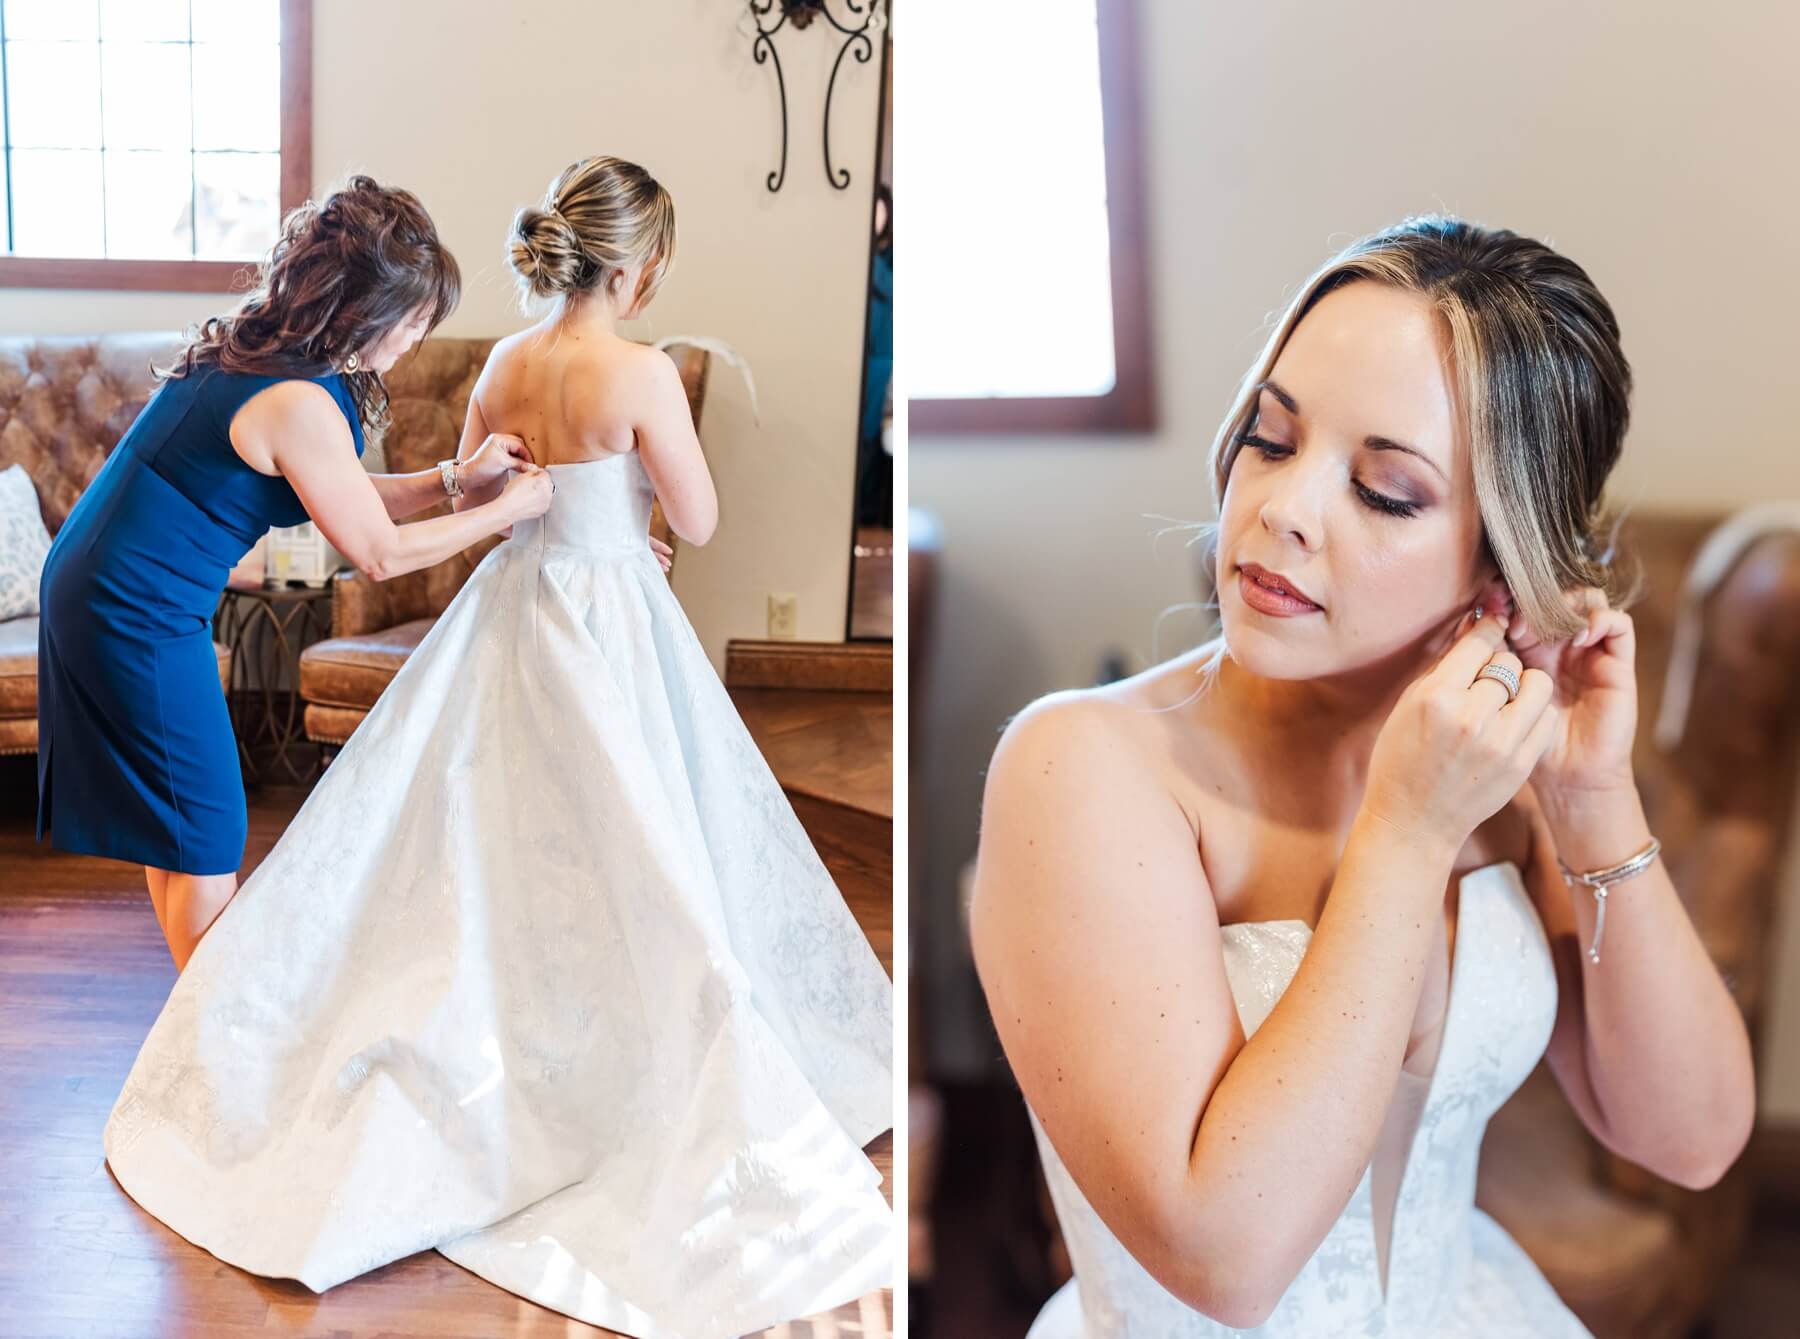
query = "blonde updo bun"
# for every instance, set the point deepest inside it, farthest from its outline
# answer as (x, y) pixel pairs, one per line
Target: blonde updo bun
(546, 253)
(600, 217)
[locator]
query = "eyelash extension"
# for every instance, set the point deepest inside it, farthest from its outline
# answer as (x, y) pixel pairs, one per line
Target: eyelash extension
(1377, 501)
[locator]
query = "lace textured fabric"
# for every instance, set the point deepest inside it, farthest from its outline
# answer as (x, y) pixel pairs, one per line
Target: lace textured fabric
(1453, 1272)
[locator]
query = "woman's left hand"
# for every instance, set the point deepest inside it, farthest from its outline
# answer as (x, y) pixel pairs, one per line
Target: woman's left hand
(1595, 695)
(493, 460)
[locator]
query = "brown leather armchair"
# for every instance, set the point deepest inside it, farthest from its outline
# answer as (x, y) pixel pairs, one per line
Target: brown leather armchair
(64, 404)
(1631, 1254)
(376, 625)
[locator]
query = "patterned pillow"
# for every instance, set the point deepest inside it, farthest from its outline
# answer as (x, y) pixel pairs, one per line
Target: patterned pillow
(23, 544)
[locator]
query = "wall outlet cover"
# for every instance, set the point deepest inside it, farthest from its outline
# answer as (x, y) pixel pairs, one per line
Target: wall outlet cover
(784, 616)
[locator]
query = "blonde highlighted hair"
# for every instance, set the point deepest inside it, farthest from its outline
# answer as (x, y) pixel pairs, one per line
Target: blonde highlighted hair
(1543, 384)
(600, 217)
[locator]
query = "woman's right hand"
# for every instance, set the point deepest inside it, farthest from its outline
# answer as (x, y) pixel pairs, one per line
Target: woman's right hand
(527, 493)
(1453, 750)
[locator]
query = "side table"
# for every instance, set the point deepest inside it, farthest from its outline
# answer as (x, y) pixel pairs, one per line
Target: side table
(268, 627)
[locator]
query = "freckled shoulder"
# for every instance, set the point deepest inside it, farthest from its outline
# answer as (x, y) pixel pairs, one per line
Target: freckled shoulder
(1074, 722)
(1089, 747)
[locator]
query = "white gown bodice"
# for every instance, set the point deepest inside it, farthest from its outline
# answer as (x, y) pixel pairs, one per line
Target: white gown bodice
(601, 508)
(1451, 1270)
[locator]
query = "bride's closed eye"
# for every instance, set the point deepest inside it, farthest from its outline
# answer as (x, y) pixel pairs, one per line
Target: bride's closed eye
(1381, 502)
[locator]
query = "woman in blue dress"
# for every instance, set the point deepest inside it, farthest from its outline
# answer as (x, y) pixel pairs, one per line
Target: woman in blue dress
(259, 422)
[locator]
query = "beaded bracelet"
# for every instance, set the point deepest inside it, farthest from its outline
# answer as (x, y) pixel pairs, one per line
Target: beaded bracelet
(1601, 879)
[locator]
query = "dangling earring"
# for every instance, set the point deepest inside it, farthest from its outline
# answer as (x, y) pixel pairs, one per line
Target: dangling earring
(352, 363)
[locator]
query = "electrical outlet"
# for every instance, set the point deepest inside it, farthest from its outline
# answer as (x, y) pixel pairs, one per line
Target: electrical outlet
(784, 617)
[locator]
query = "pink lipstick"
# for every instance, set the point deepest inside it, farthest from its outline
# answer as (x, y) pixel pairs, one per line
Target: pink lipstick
(1271, 594)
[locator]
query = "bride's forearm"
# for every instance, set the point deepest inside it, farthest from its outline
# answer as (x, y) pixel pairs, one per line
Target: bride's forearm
(1293, 1124)
(1667, 1052)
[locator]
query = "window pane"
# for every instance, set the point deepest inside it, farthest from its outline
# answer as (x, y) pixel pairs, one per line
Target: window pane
(56, 202)
(239, 200)
(145, 87)
(51, 19)
(237, 96)
(256, 21)
(149, 203)
(1013, 238)
(53, 94)
(144, 21)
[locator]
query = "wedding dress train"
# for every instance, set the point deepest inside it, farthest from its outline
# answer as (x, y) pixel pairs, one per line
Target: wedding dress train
(545, 974)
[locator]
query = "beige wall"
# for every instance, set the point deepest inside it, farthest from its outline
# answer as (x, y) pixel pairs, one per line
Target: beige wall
(475, 105)
(1650, 141)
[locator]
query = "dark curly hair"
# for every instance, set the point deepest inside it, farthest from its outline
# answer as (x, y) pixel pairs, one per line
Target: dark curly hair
(343, 273)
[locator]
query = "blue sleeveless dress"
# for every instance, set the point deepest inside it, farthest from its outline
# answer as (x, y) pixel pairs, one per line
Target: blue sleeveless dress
(136, 758)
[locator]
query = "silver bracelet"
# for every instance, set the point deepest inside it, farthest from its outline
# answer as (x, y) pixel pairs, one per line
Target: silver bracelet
(450, 476)
(1602, 879)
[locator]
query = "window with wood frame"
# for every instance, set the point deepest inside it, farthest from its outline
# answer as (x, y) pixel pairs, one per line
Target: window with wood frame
(150, 144)
(1028, 251)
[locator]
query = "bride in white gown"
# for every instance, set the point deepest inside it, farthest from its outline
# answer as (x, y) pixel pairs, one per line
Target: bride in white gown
(1270, 930)
(545, 974)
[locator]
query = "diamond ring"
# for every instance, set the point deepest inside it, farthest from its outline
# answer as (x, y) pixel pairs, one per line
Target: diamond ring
(1504, 676)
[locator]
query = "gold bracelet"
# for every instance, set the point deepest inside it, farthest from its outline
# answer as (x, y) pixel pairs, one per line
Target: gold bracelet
(1602, 879)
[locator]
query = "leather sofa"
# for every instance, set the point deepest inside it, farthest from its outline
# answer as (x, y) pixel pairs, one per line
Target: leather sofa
(64, 404)
(376, 625)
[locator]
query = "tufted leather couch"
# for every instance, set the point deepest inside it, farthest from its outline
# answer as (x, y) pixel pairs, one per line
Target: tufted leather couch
(64, 404)
(376, 625)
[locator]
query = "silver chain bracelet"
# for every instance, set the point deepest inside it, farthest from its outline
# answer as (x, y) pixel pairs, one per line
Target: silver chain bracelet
(1602, 879)
(450, 475)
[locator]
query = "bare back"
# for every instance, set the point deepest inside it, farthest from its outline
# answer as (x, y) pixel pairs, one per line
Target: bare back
(578, 393)
(572, 396)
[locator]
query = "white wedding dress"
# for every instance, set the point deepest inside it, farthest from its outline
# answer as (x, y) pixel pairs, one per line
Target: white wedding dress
(1453, 1272)
(545, 974)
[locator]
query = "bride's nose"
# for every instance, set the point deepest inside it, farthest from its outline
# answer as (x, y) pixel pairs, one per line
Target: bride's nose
(1293, 510)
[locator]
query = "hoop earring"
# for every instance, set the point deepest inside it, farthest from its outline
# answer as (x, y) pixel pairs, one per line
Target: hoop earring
(352, 363)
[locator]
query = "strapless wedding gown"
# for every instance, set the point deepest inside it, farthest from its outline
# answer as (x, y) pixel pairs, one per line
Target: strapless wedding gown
(544, 974)
(1453, 1272)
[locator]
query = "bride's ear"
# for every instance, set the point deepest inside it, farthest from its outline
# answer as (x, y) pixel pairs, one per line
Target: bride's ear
(1497, 596)
(1491, 589)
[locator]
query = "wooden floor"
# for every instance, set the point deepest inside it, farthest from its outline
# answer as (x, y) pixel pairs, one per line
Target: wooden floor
(836, 747)
(83, 974)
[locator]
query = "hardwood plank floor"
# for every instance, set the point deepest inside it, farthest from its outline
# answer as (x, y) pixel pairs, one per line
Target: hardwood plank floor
(83, 973)
(833, 746)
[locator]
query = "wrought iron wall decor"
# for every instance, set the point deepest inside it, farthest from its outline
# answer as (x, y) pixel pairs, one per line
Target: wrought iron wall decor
(857, 41)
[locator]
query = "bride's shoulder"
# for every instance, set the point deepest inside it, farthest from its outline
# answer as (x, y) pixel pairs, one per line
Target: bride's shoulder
(1094, 739)
(625, 372)
(1133, 720)
(507, 347)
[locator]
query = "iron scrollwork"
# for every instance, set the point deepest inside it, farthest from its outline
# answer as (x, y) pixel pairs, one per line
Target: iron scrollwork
(857, 42)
